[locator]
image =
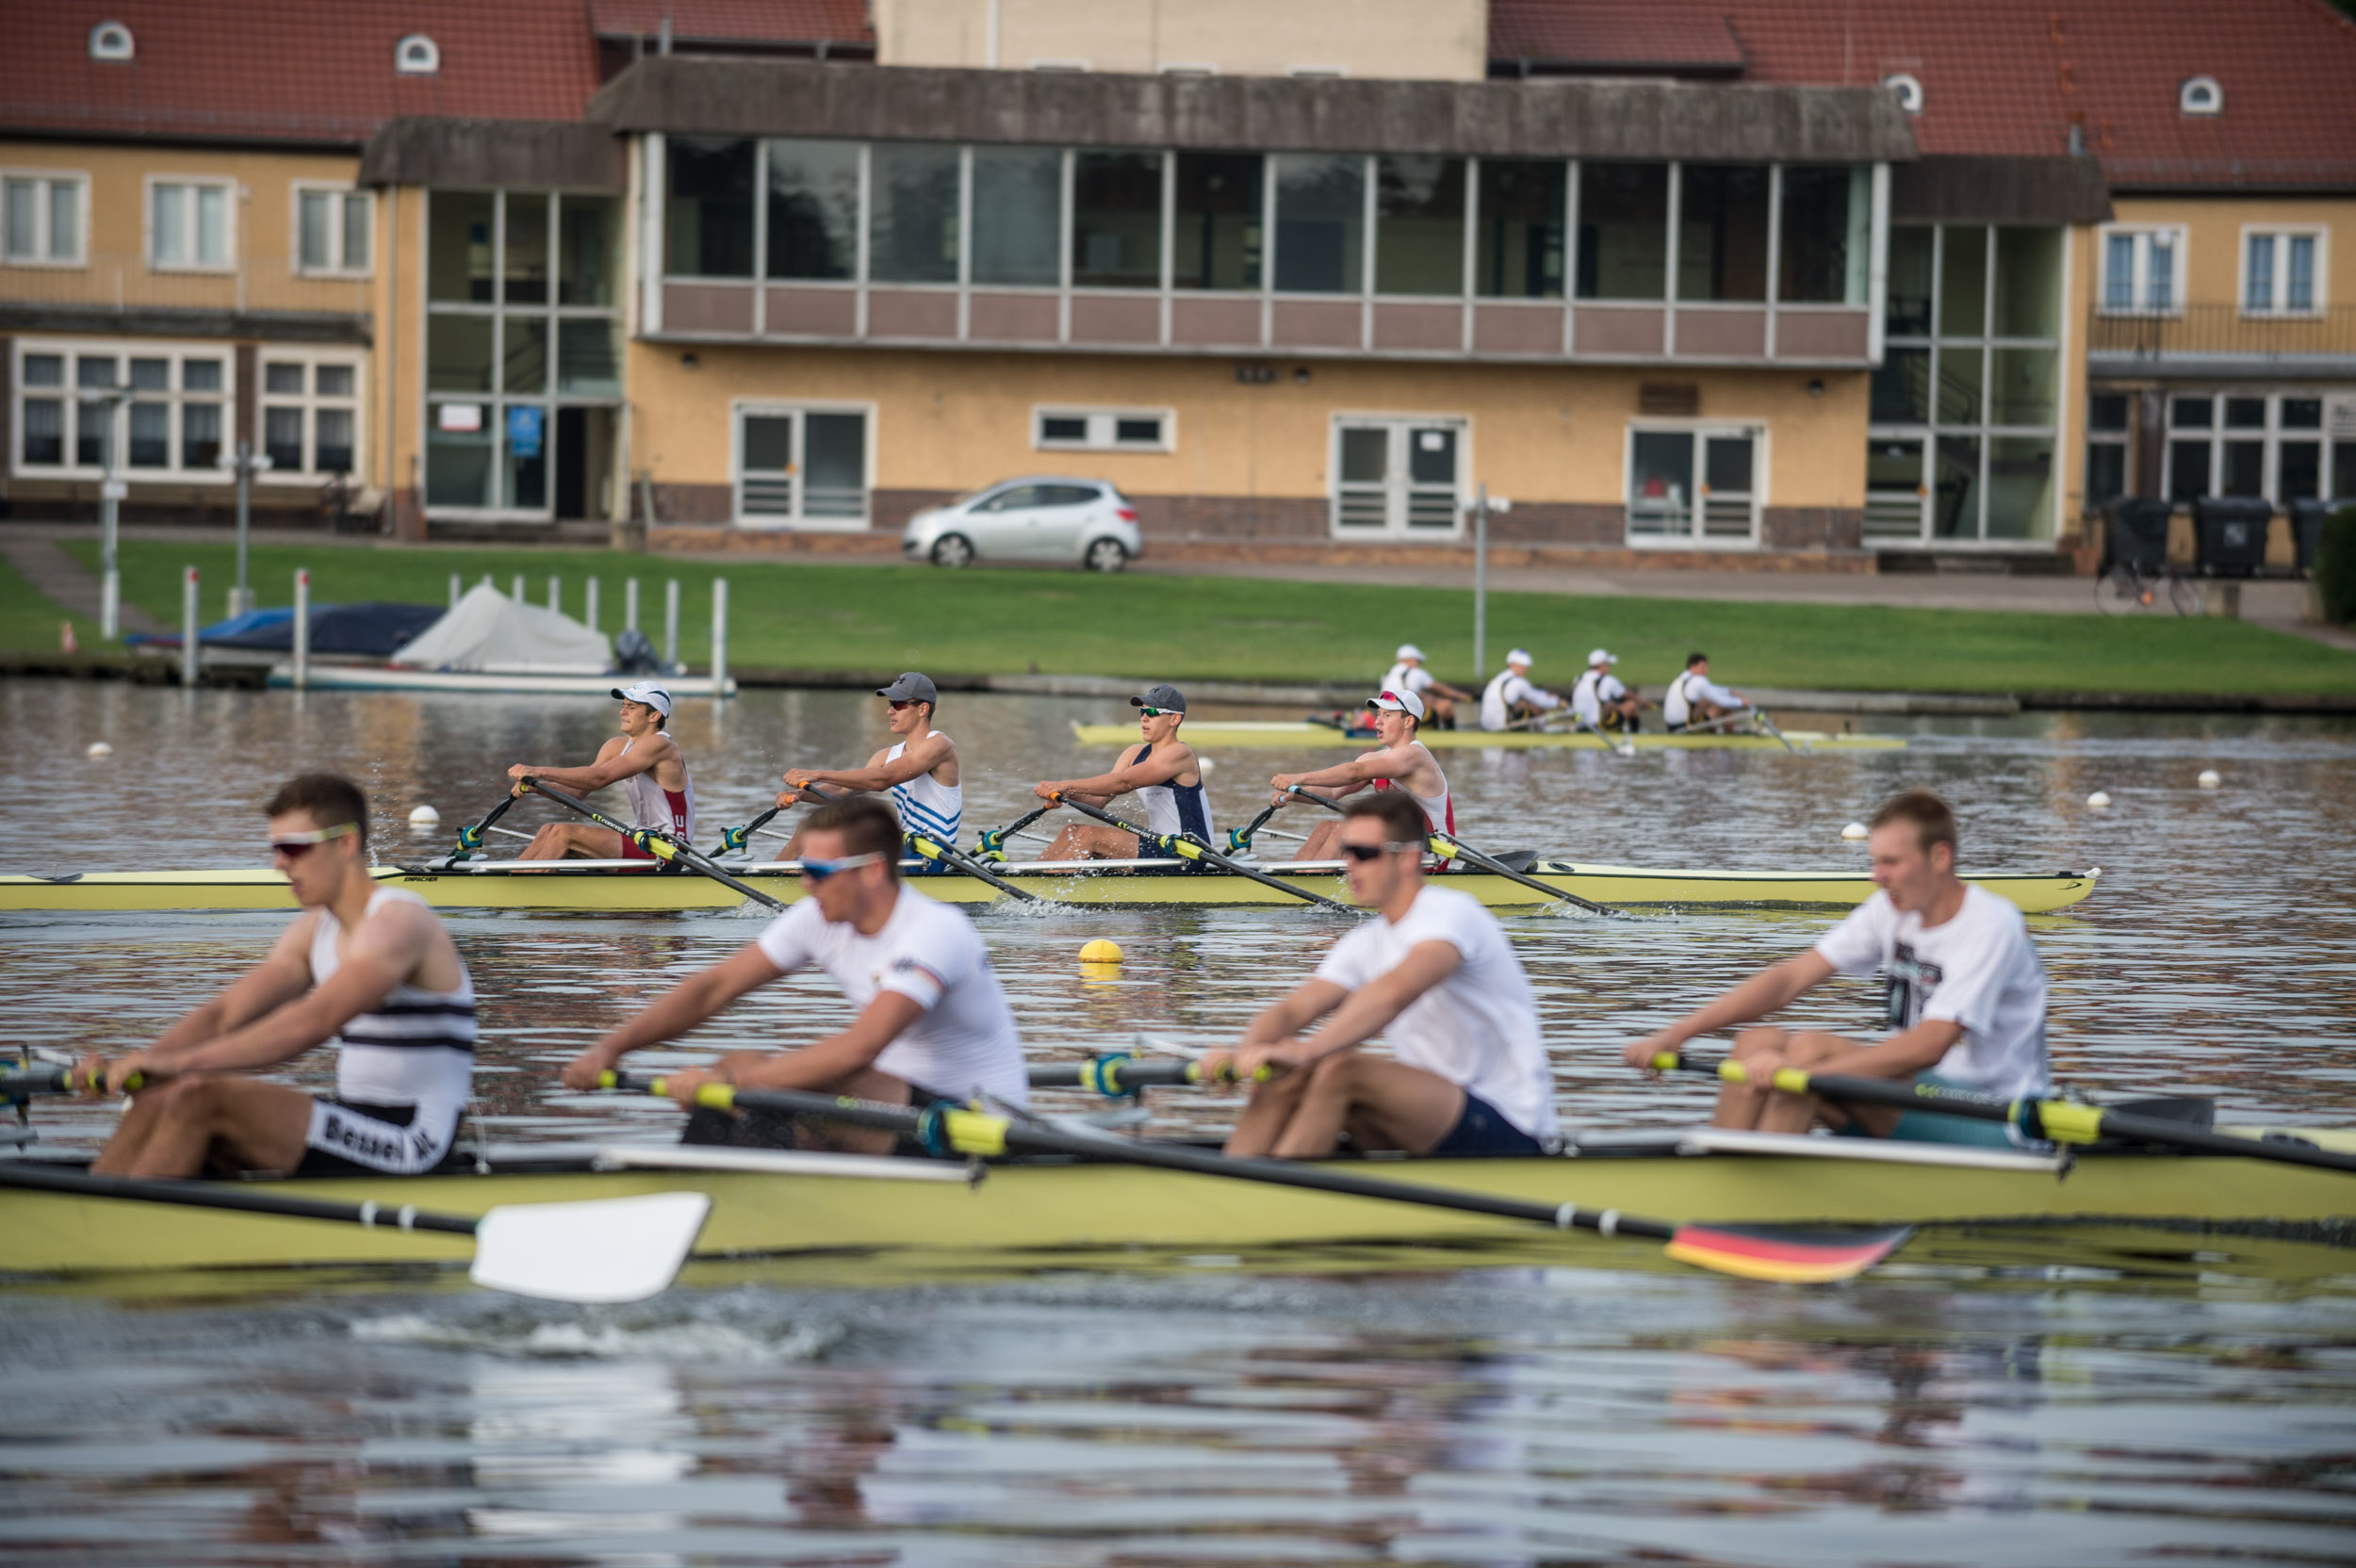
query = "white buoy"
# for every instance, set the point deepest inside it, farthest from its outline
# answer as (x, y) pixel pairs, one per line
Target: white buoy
(1854, 831)
(2098, 800)
(100, 749)
(425, 816)
(2211, 778)
(1205, 763)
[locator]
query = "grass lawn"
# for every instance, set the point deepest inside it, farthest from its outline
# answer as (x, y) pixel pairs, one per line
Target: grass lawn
(30, 618)
(888, 617)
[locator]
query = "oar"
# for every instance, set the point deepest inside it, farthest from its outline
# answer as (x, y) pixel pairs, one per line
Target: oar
(1447, 847)
(993, 843)
(1240, 839)
(603, 1249)
(2053, 1120)
(1753, 1251)
(471, 836)
(1192, 849)
(657, 844)
(1760, 717)
(732, 839)
(948, 855)
(1579, 720)
(1121, 1076)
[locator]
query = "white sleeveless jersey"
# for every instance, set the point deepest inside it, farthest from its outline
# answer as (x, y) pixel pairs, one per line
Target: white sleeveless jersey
(1595, 688)
(926, 805)
(652, 806)
(1439, 810)
(415, 1047)
(1174, 807)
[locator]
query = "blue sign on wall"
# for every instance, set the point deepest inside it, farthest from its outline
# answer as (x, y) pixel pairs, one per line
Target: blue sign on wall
(523, 431)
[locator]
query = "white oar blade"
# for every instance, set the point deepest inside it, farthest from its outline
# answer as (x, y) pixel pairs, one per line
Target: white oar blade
(605, 1250)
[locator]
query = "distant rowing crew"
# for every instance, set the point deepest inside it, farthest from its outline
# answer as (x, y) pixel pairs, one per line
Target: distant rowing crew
(1598, 699)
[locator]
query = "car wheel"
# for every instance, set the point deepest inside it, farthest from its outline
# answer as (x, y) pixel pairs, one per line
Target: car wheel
(953, 549)
(1106, 555)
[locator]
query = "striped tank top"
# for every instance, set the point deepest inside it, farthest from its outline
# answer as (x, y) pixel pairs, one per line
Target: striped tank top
(928, 805)
(1175, 807)
(415, 1047)
(652, 806)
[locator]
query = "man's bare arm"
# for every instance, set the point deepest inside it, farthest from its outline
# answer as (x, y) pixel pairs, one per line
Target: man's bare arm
(690, 1003)
(1150, 767)
(1763, 993)
(612, 765)
(383, 952)
(1371, 1007)
(277, 980)
(837, 1057)
(922, 757)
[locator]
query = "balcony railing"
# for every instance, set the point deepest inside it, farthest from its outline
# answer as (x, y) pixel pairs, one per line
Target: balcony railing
(125, 284)
(2222, 332)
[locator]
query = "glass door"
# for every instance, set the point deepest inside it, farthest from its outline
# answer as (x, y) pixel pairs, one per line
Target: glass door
(1398, 478)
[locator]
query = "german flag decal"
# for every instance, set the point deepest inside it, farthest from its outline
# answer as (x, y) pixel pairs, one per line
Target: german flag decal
(1786, 1252)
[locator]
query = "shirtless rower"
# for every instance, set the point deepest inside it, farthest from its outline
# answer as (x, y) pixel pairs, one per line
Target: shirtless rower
(1693, 698)
(1165, 774)
(1433, 974)
(1966, 1003)
(932, 1023)
(1401, 762)
(918, 768)
(1601, 699)
(369, 968)
(1509, 699)
(1439, 697)
(645, 761)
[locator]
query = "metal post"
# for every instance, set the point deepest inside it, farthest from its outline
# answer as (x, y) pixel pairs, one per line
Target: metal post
(241, 594)
(188, 626)
(518, 595)
(589, 613)
(670, 623)
(719, 636)
(303, 628)
(110, 493)
(556, 594)
(630, 604)
(455, 591)
(1480, 584)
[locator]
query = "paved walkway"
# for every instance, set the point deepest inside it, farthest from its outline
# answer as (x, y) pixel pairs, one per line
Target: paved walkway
(66, 581)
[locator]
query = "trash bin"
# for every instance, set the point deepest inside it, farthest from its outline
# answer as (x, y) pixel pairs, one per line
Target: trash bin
(2230, 535)
(2307, 528)
(2138, 533)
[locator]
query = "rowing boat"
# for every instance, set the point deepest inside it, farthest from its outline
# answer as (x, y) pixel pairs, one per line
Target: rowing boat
(626, 886)
(1303, 733)
(797, 1203)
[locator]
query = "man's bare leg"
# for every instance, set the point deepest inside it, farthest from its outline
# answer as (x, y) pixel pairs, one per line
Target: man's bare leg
(179, 1128)
(1401, 1107)
(1091, 842)
(557, 840)
(1271, 1106)
(1319, 844)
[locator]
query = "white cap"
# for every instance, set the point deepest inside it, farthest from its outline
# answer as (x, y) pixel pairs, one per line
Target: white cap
(1599, 657)
(1519, 656)
(1398, 702)
(1408, 651)
(647, 692)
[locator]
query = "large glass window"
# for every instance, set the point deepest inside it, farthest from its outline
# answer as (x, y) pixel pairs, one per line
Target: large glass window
(1622, 231)
(1522, 216)
(331, 230)
(2254, 444)
(170, 425)
(912, 222)
(814, 208)
(41, 217)
(1117, 220)
(2028, 283)
(1320, 222)
(1216, 243)
(1826, 236)
(1419, 225)
(589, 261)
(2278, 272)
(707, 214)
(2142, 271)
(310, 414)
(459, 261)
(2106, 449)
(1017, 214)
(189, 224)
(1907, 297)
(1721, 232)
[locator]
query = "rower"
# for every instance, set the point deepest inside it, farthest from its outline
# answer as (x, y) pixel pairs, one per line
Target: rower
(1401, 762)
(1435, 975)
(1600, 699)
(1439, 697)
(1966, 1001)
(932, 1024)
(369, 968)
(645, 761)
(1693, 698)
(1509, 700)
(1166, 777)
(920, 769)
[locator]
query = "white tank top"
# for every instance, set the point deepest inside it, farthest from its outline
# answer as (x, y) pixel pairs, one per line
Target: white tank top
(1677, 706)
(926, 805)
(1438, 809)
(415, 1047)
(652, 806)
(1173, 807)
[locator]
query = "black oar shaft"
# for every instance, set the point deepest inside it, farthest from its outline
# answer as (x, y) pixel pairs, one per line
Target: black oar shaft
(1190, 850)
(948, 855)
(1448, 846)
(993, 841)
(17, 1086)
(655, 843)
(1117, 1076)
(211, 1195)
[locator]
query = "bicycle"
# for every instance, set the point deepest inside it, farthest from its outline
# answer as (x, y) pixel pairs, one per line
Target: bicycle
(2131, 586)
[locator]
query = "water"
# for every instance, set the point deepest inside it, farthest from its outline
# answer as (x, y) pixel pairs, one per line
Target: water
(1988, 1398)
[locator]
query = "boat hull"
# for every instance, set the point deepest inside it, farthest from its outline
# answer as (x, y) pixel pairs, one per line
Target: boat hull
(588, 887)
(1272, 733)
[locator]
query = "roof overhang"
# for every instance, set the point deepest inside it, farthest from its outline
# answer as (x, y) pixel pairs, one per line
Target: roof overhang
(560, 154)
(1982, 189)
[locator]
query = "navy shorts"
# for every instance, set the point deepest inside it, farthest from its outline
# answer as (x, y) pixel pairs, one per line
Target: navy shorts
(1482, 1131)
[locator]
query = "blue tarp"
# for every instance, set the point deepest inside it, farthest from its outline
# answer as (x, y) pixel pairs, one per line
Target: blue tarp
(373, 629)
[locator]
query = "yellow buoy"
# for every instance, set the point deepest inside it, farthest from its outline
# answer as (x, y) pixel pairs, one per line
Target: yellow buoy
(1104, 950)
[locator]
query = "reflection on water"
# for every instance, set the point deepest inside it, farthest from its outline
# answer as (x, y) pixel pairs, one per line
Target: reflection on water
(1989, 1399)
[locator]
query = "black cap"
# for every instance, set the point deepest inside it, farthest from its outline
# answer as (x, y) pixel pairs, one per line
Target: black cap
(1166, 697)
(912, 687)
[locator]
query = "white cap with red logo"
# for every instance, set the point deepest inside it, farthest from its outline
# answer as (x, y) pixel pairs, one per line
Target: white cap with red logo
(1398, 702)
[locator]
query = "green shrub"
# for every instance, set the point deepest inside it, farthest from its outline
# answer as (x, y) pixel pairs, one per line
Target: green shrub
(2336, 566)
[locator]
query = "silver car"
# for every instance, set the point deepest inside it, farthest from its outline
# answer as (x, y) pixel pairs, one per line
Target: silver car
(1038, 518)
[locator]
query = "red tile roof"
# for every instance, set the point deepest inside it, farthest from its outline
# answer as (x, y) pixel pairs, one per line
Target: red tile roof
(2011, 77)
(311, 71)
(735, 20)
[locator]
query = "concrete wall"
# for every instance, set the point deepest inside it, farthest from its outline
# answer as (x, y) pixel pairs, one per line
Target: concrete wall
(1416, 38)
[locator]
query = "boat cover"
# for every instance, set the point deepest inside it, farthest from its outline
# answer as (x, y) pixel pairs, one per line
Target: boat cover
(490, 633)
(372, 629)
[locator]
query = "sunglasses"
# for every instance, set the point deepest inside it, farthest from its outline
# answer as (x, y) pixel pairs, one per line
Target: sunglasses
(818, 871)
(1155, 712)
(1368, 852)
(895, 704)
(294, 846)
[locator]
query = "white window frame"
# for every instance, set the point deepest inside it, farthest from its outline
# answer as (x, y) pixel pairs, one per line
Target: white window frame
(113, 42)
(2282, 234)
(223, 183)
(1398, 503)
(1103, 424)
(797, 520)
(45, 240)
(1700, 431)
(1908, 88)
(416, 54)
(2139, 282)
(2122, 439)
(310, 402)
(342, 195)
(123, 351)
(2200, 96)
(2272, 435)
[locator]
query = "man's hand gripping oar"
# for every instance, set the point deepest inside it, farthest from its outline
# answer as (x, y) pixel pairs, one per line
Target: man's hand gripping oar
(1447, 847)
(659, 844)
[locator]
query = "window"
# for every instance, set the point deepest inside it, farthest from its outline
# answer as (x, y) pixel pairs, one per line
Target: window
(417, 56)
(1721, 232)
(310, 414)
(111, 42)
(1523, 213)
(168, 423)
(41, 219)
(2200, 95)
(2249, 444)
(708, 212)
(1018, 216)
(2107, 447)
(1419, 225)
(2281, 272)
(1826, 237)
(804, 467)
(1695, 482)
(1622, 231)
(2143, 271)
(813, 210)
(1908, 90)
(1117, 220)
(332, 230)
(1103, 429)
(912, 220)
(188, 225)
(1217, 241)
(1320, 222)
(1398, 477)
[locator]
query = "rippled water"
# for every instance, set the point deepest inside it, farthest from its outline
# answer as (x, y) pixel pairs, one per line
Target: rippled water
(1990, 1399)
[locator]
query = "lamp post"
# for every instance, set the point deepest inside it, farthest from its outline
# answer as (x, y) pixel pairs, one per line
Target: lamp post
(1483, 503)
(245, 462)
(110, 493)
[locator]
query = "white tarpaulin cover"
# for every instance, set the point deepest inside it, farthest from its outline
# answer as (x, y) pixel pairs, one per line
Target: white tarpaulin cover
(488, 632)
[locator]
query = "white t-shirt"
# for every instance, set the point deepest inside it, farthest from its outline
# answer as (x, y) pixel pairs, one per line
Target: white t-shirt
(1478, 1028)
(1979, 969)
(1407, 677)
(1690, 691)
(1499, 697)
(1595, 689)
(965, 1041)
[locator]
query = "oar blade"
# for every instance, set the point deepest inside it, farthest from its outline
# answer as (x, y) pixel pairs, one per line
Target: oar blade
(601, 1251)
(1793, 1254)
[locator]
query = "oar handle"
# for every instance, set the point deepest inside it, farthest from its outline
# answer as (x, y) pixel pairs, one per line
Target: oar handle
(733, 839)
(471, 835)
(19, 1085)
(1121, 1077)
(993, 843)
(1240, 839)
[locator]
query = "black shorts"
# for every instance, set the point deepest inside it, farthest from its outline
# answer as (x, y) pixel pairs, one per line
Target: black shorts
(751, 1129)
(1482, 1131)
(351, 1137)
